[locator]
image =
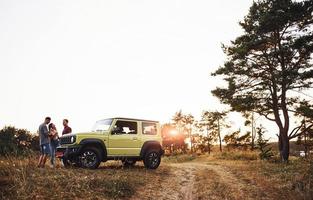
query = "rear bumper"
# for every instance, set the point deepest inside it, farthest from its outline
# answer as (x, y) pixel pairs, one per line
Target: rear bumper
(162, 152)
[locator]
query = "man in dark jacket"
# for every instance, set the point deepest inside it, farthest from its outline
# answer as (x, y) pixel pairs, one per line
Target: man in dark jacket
(44, 142)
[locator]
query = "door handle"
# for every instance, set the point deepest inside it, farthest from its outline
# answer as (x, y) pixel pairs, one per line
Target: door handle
(135, 138)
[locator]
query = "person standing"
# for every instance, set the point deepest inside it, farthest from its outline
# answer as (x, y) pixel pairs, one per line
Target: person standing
(66, 129)
(44, 142)
(54, 143)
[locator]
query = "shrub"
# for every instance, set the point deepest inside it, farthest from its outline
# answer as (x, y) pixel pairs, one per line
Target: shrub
(15, 141)
(263, 145)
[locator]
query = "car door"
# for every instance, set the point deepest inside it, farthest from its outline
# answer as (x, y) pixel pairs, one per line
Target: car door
(124, 139)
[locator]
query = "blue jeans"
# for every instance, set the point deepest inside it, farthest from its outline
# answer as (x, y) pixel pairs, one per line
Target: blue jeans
(45, 149)
(53, 147)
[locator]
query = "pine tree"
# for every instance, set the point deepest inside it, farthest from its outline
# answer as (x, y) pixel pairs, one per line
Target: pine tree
(263, 146)
(270, 60)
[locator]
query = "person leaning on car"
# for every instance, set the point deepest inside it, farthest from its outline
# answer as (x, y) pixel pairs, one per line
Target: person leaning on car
(66, 129)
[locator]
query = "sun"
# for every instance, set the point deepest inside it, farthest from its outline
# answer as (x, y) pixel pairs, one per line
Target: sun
(173, 132)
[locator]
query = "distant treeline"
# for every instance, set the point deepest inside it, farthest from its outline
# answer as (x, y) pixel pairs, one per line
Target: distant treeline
(14, 141)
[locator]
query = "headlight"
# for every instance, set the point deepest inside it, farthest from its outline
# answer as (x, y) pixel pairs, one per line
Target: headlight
(72, 139)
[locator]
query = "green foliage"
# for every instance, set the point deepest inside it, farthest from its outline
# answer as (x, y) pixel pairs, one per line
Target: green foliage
(263, 146)
(214, 122)
(271, 58)
(183, 122)
(234, 140)
(15, 141)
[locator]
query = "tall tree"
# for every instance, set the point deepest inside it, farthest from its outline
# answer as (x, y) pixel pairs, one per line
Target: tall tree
(178, 119)
(216, 121)
(211, 133)
(251, 121)
(184, 124)
(268, 61)
(189, 121)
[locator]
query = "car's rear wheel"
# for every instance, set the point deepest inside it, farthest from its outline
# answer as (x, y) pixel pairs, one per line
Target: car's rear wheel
(90, 158)
(128, 162)
(152, 159)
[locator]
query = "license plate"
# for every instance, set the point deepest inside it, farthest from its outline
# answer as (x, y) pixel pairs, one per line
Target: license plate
(59, 154)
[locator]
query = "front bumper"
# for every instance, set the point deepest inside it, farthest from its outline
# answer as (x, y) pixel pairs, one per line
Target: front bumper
(68, 151)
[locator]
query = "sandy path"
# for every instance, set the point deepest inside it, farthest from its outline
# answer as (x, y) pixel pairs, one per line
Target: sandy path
(196, 180)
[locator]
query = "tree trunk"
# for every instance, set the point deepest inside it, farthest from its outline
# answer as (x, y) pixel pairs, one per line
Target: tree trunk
(284, 146)
(252, 132)
(207, 135)
(190, 141)
(219, 134)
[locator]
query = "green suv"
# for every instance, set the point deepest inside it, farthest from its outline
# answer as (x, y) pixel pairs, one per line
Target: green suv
(125, 139)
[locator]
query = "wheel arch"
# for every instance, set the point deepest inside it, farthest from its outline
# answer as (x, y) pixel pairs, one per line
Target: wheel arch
(150, 145)
(92, 142)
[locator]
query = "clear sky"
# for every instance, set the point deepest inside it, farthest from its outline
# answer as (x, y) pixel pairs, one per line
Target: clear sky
(88, 60)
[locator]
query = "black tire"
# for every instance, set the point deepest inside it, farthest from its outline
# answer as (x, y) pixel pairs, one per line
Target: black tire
(128, 162)
(90, 158)
(69, 162)
(65, 162)
(152, 159)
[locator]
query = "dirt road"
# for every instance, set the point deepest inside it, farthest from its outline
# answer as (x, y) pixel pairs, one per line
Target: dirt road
(200, 180)
(197, 180)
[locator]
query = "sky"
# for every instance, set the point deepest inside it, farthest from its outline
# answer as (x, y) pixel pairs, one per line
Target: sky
(89, 60)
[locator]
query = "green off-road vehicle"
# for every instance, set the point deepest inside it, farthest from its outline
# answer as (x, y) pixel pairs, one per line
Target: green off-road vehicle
(125, 139)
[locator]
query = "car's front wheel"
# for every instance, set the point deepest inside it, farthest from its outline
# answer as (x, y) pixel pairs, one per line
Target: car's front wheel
(69, 162)
(152, 159)
(89, 158)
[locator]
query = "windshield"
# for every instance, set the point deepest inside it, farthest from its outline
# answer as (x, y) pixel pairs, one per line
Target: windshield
(102, 125)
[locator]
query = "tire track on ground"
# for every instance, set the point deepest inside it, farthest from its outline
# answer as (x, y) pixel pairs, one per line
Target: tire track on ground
(196, 180)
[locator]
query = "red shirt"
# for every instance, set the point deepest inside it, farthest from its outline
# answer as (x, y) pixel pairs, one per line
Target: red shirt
(66, 130)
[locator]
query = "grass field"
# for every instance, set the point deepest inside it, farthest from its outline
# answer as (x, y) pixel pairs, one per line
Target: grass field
(218, 176)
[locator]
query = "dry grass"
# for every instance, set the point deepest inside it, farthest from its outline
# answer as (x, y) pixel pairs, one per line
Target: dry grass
(238, 176)
(20, 179)
(179, 158)
(236, 155)
(269, 180)
(208, 185)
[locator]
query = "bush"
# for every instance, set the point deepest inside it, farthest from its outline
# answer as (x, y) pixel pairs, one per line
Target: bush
(15, 141)
(263, 146)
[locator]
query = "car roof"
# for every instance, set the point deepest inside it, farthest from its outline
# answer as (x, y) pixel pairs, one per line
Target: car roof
(144, 120)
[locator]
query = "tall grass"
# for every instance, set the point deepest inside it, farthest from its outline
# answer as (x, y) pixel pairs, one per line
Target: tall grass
(237, 155)
(179, 158)
(21, 179)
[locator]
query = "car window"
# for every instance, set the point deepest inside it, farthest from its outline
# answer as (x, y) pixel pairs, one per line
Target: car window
(126, 127)
(149, 128)
(102, 125)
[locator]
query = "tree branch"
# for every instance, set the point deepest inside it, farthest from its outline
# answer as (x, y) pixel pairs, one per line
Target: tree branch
(298, 134)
